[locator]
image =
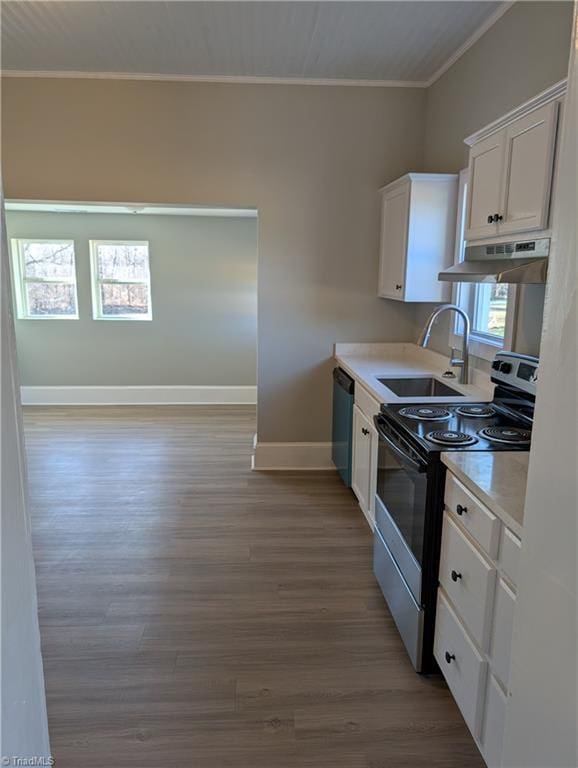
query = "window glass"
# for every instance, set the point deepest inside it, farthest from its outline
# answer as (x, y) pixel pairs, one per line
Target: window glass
(50, 299)
(124, 299)
(120, 280)
(490, 307)
(123, 262)
(44, 278)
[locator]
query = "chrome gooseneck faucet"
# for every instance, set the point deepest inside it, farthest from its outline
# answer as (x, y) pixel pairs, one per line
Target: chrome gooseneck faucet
(426, 333)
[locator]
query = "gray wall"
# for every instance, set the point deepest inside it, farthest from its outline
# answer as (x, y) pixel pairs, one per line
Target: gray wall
(204, 305)
(524, 52)
(310, 158)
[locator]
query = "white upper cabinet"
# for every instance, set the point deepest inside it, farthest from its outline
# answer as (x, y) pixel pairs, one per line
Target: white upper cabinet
(418, 215)
(510, 174)
(486, 159)
(393, 248)
(529, 160)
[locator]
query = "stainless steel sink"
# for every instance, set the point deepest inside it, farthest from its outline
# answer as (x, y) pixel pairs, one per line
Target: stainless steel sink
(422, 386)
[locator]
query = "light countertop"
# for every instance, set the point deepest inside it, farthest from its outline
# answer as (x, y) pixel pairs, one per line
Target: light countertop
(497, 478)
(366, 362)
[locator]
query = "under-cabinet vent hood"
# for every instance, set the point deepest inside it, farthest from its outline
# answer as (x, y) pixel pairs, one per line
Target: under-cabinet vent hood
(522, 261)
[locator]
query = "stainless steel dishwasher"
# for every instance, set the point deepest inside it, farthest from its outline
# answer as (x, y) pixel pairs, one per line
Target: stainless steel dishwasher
(342, 435)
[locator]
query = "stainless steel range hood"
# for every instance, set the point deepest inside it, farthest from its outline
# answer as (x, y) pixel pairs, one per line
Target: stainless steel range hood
(521, 261)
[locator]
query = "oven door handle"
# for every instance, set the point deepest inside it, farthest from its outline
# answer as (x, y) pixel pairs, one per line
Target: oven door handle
(406, 460)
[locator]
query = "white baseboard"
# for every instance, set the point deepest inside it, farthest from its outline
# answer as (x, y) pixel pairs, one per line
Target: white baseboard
(292, 456)
(145, 395)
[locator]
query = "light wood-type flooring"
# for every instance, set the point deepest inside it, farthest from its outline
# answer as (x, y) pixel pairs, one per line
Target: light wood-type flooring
(195, 614)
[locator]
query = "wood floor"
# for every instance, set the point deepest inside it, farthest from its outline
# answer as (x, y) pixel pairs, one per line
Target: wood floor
(197, 615)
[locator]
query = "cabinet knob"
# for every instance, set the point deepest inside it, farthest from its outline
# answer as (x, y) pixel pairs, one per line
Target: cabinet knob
(364, 431)
(455, 575)
(398, 287)
(490, 219)
(450, 657)
(461, 510)
(497, 217)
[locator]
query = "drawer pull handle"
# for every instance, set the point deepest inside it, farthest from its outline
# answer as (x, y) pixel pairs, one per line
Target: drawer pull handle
(455, 575)
(450, 657)
(364, 431)
(461, 510)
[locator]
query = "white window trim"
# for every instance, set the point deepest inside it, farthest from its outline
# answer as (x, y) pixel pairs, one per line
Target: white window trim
(95, 282)
(20, 279)
(481, 345)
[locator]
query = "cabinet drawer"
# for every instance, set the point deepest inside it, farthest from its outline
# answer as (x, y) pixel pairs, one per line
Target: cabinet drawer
(493, 730)
(462, 665)
(468, 579)
(477, 519)
(504, 605)
(510, 546)
(365, 402)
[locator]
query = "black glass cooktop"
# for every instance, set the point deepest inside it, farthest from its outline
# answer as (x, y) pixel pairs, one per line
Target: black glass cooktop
(469, 426)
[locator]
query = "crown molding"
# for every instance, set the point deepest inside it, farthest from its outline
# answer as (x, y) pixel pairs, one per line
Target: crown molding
(251, 80)
(480, 31)
(553, 93)
(233, 79)
(417, 176)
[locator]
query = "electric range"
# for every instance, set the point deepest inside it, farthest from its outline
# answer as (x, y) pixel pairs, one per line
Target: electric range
(411, 481)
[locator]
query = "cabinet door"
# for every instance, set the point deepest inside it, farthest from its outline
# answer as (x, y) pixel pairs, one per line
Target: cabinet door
(393, 246)
(494, 717)
(485, 173)
(462, 665)
(500, 650)
(360, 477)
(468, 579)
(527, 180)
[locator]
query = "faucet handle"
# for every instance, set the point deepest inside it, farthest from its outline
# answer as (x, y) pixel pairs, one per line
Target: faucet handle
(455, 361)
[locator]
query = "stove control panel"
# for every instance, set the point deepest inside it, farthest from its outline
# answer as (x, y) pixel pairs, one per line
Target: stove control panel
(519, 371)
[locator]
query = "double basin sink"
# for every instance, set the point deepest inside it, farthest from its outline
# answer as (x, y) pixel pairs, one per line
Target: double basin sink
(419, 386)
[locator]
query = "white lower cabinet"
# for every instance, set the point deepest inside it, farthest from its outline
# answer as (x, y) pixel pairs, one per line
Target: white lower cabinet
(502, 626)
(475, 615)
(468, 579)
(364, 460)
(510, 546)
(493, 729)
(463, 666)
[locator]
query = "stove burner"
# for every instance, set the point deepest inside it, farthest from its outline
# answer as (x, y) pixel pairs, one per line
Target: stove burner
(510, 435)
(476, 411)
(425, 413)
(450, 437)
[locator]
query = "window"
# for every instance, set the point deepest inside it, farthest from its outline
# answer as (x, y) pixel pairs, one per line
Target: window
(44, 279)
(490, 306)
(120, 280)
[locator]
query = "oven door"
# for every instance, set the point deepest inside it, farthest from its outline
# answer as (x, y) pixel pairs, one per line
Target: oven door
(400, 504)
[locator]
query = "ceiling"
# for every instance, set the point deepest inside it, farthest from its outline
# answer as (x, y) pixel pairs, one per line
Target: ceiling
(374, 42)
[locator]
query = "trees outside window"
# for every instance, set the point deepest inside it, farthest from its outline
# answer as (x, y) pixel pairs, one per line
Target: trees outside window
(120, 280)
(44, 279)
